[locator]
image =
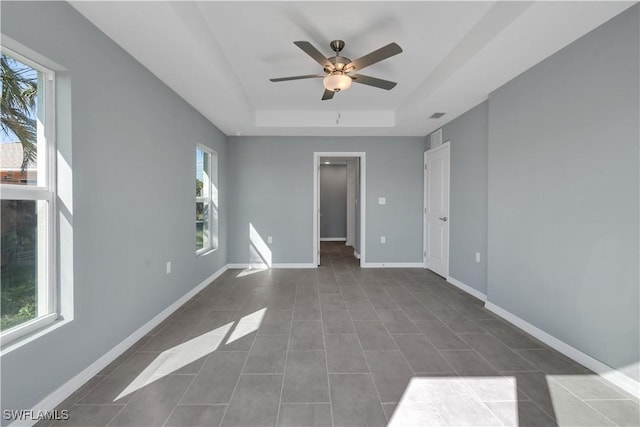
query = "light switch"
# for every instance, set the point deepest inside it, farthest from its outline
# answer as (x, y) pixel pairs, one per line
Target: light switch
(383, 239)
(269, 239)
(382, 201)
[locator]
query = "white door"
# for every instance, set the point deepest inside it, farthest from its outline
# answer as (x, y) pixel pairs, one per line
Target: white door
(436, 210)
(318, 208)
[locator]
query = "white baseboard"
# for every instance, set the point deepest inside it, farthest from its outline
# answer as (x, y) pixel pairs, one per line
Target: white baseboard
(64, 391)
(612, 375)
(333, 239)
(356, 254)
(241, 266)
(468, 289)
(392, 265)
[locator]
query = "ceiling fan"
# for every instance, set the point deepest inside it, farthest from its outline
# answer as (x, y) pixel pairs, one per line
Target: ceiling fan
(338, 69)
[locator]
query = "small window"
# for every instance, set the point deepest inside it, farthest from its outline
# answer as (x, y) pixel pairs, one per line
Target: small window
(27, 187)
(206, 200)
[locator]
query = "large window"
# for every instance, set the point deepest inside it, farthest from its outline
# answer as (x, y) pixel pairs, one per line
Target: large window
(206, 200)
(27, 187)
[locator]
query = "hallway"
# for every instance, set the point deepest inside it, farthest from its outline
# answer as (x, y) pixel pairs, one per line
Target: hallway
(342, 346)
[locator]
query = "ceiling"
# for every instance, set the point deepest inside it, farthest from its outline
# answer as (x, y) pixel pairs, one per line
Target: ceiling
(219, 56)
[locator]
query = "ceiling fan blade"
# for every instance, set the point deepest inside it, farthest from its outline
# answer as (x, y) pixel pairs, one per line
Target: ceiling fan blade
(373, 81)
(307, 76)
(314, 53)
(376, 56)
(328, 94)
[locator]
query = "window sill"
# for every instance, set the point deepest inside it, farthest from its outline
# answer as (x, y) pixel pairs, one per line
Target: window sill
(204, 252)
(30, 332)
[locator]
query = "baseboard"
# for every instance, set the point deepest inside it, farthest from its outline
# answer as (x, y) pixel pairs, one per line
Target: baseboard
(333, 239)
(468, 289)
(356, 254)
(240, 266)
(392, 265)
(64, 391)
(606, 372)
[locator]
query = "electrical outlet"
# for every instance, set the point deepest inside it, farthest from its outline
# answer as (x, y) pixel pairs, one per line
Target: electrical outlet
(269, 239)
(477, 256)
(383, 239)
(168, 267)
(382, 201)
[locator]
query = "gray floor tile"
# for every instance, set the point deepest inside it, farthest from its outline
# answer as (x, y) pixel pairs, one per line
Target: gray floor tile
(440, 335)
(430, 301)
(344, 354)
(197, 416)
(337, 322)
(305, 378)
(222, 369)
(353, 293)
(268, 354)
(80, 392)
(331, 302)
(458, 322)
(361, 310)
(499, 355)
(171, 336)
(390, 372)
(416, 311)
(276, 322)
(421, 355)
(307, 293)
(355, 402)
(509, 335)
(468, 362)
(306, 335)
(588, 387)
(255, 401)
(89, 416)
(397, 322)
(551, 362)
(571, 411)
(373, 335)
(381, 301)
(621, 412)
(466, 412)
(415, 415)
(307, 310)
(389, 408)
(153, 403)
(522, 414)
(217, 323)
(305, 415)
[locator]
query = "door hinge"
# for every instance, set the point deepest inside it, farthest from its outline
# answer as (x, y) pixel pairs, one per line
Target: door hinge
(425, 166)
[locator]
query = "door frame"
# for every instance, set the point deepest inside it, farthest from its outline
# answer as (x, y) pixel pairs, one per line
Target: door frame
(363, 199)
(424, 210)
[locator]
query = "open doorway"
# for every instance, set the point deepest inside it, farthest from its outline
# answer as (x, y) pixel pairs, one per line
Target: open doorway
(338, 204)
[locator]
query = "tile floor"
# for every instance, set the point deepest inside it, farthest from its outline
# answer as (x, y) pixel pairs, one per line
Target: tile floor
(341, 346)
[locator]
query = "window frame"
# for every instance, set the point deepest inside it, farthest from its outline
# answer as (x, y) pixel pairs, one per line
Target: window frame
(210, 196)
(47, 193)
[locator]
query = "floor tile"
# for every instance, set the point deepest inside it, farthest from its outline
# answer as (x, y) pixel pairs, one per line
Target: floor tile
(197, 416)
(305, 415)
(499, 355)
(571, 411)
(468, 363)
(588, 387)
(397, 322)
(621, 412)
(457, 322)
(522, 414)
(331, 302)
(89, 416)
(306, 335)
(337, 322)
(509, 335)
(551, 362)
(440, 335)
(152, 404)
(268, 354)
(276, 322)
(344, 354)
(305, 379)
(373, 335)
(416, 311)
(466, 412)
(222, 369)
(355, 402)
(255, 401)
(421, 355)
(390, 372)
(361, 310)
(307, 310)
(415, 414)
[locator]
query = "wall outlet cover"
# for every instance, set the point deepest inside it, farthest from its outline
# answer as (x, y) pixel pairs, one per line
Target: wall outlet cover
(382, 201)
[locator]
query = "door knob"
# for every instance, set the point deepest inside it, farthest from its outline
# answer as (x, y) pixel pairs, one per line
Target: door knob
(443, 218)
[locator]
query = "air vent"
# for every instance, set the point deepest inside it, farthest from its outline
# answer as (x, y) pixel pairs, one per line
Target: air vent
(436, 138)
(437, 115)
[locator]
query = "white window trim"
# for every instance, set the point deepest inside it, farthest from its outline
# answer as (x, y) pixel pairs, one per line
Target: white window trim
(47, 193)
(213, 156)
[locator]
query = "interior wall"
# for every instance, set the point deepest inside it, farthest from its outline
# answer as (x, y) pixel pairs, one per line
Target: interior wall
(133, 147)
(276, 197)
(563, 202)
(469, 139)
(351, 202)
(333, 201)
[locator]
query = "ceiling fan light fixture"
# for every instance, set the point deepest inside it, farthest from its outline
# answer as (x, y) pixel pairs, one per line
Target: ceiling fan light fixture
(336, 82)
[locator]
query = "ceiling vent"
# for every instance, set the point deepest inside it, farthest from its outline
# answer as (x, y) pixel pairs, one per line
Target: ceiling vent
(437, 115)
(436, 138)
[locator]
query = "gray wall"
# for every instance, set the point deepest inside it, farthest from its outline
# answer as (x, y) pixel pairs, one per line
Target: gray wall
(133, 160)
(277, 196)
(563, 194)
(333, 201)
(468, 202)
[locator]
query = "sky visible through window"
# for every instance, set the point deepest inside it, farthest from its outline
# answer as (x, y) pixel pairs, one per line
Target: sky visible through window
(199, 163)
(29, 73)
